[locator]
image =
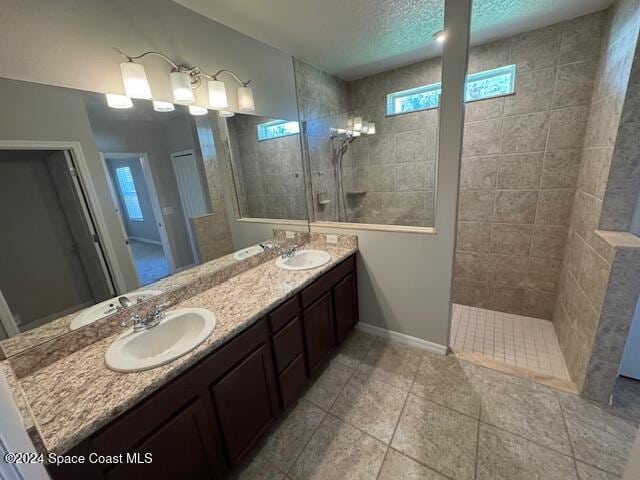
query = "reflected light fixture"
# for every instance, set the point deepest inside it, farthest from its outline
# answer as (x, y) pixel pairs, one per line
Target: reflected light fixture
(184, 80)
(440, 36)
(135, 80)
(118, 101)
(159, 106)
(225, 113)
(372, 129)
(245, 99)
(357, 124)
(197, 110)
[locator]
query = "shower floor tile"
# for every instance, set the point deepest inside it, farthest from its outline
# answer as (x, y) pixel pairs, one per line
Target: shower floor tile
(516, 340)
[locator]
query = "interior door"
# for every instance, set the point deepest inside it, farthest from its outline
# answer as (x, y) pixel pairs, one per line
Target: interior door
(190, 187)
(82, 230)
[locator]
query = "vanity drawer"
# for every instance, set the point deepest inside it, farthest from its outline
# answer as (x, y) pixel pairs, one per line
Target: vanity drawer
(287, 344)
(328, 280)
(283, 314)
(292, 381)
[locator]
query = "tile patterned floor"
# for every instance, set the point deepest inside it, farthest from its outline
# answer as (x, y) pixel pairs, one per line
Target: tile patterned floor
(519, 341)
(386, 411)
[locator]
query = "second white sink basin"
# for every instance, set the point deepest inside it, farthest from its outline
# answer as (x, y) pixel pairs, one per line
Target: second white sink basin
(304, 260)
(247, 252)
(178, 333)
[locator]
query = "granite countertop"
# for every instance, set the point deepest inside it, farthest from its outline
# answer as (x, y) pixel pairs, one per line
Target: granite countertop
(75, 396)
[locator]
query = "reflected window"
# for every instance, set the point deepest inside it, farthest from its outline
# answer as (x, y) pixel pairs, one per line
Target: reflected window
(129, 194)
(277, 129)
(480, 86)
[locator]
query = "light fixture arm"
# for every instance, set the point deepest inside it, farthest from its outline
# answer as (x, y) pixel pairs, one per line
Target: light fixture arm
(193, 72)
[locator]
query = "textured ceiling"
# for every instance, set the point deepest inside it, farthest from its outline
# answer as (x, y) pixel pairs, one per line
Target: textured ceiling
(355, 38)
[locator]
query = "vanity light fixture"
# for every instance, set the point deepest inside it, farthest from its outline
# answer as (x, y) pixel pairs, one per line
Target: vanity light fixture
(197, 110)
(135, 80)
(357, 124)
(356, 127)
(440, 36)
(159, 106)
(372, 129)
(225, 113)
(118, 101)
(184, 80)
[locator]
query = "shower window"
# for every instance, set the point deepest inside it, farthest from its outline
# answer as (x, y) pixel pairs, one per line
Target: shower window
(480, 86)
(277, 129)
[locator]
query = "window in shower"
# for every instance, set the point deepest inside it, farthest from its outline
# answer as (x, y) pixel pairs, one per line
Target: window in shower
(480, 86)
(277, 129)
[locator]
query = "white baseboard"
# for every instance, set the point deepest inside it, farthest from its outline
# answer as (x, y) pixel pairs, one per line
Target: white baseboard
(402, 338)
(146, 240)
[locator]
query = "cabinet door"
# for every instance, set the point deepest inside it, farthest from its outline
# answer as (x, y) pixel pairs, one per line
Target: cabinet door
(318, 331)
(179, 449)
(244, 403)
(346, 307)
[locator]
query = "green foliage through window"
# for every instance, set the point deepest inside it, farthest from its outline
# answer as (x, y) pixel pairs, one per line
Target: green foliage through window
(276, 129)
(479, 86)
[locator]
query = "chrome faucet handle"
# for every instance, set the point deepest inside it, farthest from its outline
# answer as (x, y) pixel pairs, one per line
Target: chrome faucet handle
(158, 314)
(137, 321)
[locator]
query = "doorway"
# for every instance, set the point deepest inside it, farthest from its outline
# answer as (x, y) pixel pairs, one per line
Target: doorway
(140, 215)
(52, 262)
(191, 188)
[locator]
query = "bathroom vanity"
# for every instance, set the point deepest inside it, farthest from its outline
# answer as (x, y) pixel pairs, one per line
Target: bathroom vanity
(204, 421)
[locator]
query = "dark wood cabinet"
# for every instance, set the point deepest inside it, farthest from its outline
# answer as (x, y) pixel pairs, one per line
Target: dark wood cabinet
(346, 306)
(318, 331)
(243, 402)
(205, 422)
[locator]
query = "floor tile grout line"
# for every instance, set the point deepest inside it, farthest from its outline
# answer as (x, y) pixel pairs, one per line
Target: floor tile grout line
(566, 428)
(326, 412)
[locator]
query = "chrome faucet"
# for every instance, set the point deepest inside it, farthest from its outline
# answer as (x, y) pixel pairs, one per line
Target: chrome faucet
(150, 321)
(125, 302)
(284, 253)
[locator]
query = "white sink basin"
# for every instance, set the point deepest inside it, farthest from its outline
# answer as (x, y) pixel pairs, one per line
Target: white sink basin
(179, 332)
(304, 260)
(102, 309)
(247, 252)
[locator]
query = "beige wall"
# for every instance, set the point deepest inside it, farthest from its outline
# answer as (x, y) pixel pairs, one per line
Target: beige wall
(70, 44)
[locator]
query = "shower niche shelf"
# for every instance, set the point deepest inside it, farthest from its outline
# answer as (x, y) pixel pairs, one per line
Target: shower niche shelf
(356, 192)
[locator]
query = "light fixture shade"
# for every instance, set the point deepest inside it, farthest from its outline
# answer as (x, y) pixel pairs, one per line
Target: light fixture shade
(440, 36)
(356, 133)
(365, 127)
(181, 87)
(372, 129)
(217, 94)
(225, 113)
(159, 106)
(118, 101)
(245, 99)
(135, 80)
(357, 123)
(197, 110)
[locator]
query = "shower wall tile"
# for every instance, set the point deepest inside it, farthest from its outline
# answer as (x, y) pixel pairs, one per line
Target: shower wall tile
(567, 128)
(549, 241)
(478, 173)
(532, 92)
(561, 168)
(537, 49)
(554, 207)
(482, 138)
(525, 133)
(520, 171)
(476, 206)
(474, 237)
(511, 239)
(516, 206)
(532, 180)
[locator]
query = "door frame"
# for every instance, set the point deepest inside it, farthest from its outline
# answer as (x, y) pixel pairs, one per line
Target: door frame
(143, 158)
(86, 190)
(192, 238)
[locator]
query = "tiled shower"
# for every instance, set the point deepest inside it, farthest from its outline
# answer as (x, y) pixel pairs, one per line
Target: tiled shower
(534, 166)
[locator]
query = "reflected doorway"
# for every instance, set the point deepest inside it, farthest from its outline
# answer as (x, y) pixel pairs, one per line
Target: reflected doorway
(140, 215)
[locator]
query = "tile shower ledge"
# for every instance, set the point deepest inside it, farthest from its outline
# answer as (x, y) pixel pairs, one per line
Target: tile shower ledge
(75, 396)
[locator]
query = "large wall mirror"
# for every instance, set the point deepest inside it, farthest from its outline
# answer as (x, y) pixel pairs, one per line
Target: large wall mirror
(101, 203)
